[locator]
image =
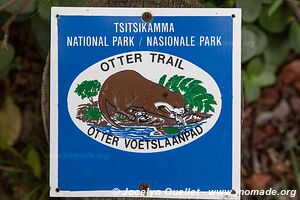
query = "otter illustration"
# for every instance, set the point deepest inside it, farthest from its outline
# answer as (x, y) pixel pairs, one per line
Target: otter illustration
(128, 89)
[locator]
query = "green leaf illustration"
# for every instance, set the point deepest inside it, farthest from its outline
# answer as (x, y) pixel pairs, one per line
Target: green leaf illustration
(195, 95)
(162, 79)
(120, 118)
(92, 113)
(173, 82)
(88, 89)
(172, 130)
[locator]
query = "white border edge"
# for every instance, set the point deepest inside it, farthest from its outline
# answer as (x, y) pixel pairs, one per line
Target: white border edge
(236, 78)
(237, 103)
(53, 178)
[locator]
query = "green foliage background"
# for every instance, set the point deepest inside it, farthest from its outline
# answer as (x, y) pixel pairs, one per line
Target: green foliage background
(269, 33)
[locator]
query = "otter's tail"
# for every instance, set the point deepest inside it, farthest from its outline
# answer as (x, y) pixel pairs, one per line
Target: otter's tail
(103, 108)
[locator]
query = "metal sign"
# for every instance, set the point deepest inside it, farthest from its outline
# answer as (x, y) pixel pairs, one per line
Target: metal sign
(145, 102)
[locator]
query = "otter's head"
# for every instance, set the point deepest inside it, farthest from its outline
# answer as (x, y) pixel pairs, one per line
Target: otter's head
(171, 103)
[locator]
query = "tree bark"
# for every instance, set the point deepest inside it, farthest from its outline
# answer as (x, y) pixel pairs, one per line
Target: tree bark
(45, 98)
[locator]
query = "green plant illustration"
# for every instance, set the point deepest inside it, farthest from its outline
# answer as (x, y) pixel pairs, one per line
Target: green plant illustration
(119, 118)
(92, 113)
(88, 89)
(172, 130)
(195, 95)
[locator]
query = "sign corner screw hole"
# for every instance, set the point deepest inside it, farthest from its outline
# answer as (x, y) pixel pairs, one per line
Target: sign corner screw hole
(147, 17)
(233, 15)
(144, 187)
(57, 190)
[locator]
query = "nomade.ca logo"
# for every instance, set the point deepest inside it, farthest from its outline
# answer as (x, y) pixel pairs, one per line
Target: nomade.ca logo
(144, 102)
